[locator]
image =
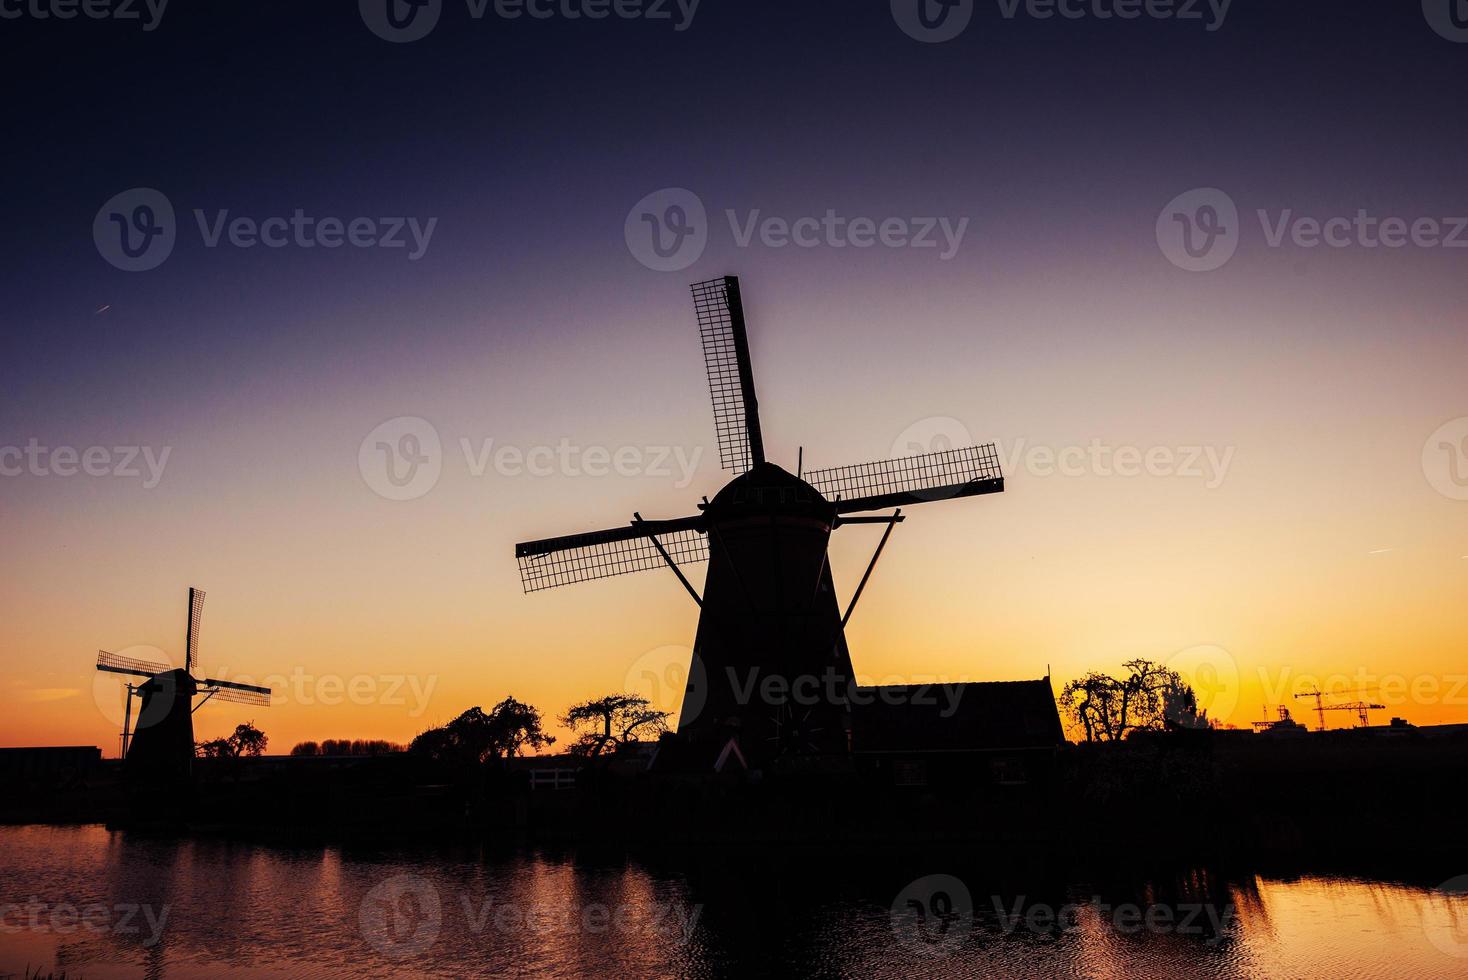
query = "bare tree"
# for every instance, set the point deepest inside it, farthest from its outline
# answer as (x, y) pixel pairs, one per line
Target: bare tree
(1151, 697)
(607, 722)
(246, 740)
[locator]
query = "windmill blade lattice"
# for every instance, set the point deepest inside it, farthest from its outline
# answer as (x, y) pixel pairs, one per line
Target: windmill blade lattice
(911, 479)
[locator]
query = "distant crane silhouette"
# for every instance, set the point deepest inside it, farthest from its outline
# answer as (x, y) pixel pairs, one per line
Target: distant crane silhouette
(1360, 707)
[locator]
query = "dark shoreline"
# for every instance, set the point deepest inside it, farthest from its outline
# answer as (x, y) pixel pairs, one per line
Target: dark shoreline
(1210, 797)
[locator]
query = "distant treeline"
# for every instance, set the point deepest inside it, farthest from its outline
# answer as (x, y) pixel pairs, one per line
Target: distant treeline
(348, 746)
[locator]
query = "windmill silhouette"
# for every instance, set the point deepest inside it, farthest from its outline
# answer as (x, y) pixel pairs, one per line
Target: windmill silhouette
(163, 743)
(770, 663)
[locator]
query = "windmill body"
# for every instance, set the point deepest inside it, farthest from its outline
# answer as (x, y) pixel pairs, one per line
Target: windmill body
(770, 671)
(163, 743)
(769, 633)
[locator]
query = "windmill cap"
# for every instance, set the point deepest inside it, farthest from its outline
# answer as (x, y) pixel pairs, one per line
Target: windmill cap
(765, 487)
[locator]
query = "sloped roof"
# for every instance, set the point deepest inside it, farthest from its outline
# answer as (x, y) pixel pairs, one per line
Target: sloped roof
(956, 717)
(677, 754)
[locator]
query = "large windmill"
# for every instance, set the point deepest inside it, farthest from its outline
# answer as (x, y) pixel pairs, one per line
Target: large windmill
(164, 740)
(770, 662)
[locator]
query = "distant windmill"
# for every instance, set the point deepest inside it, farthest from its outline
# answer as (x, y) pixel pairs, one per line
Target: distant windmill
(164, 740)
(769, 612)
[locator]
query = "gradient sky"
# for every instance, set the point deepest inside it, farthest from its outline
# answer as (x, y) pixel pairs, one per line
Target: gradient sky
(1325, 550)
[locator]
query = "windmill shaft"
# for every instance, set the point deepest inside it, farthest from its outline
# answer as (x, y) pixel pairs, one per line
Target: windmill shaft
(907, 498)
(641, 529)
(130, 671)
(231, 685)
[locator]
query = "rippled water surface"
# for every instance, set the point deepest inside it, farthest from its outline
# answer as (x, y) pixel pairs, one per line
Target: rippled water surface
(99, 903)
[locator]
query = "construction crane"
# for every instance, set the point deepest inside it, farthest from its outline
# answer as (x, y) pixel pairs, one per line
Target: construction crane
(1360, 707)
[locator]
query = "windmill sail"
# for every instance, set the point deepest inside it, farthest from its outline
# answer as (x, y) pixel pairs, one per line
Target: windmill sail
(908, 480)
(238, 693)
(575, 558)
(242, 697)
(127, 665)
(720, 310)
(196, 616)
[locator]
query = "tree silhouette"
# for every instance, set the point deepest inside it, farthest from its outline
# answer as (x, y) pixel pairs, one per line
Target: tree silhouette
(1150, 698)
(246, 740)
(477, 736)
(607, 722)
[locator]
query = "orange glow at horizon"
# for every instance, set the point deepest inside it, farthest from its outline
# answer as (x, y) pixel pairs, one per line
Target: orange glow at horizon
(1321, 556)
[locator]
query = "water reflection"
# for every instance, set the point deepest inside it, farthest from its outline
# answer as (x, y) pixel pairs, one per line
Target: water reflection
(105, 904)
